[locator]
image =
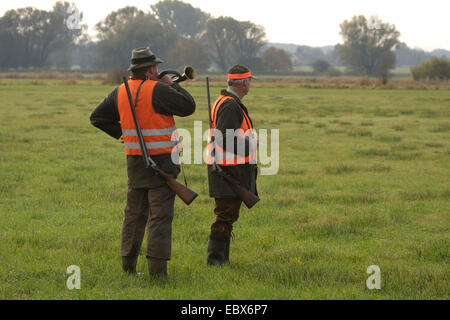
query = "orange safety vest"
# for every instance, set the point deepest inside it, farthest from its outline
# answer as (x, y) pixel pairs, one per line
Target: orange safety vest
(159, 131)
(223, 157)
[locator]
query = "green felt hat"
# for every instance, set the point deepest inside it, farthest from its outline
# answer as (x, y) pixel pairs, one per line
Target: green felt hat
(143, 57)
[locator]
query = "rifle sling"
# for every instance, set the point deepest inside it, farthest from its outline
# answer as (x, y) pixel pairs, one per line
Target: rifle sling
(144, 151)
(182, 168)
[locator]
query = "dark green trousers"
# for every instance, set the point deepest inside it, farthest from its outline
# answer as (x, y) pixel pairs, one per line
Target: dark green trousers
(227, 213)
(154, 209)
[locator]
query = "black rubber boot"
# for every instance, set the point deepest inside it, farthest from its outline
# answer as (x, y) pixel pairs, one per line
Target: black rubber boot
(157, 268)
(218, 251)
(129, 264)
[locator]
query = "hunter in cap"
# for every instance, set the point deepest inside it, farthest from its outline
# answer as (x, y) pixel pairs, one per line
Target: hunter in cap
(236, 155)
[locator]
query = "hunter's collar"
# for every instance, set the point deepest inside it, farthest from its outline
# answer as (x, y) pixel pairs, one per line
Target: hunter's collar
(231, 94)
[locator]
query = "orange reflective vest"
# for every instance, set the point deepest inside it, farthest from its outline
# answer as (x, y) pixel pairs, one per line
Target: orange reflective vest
(159, 131)
(223, 157)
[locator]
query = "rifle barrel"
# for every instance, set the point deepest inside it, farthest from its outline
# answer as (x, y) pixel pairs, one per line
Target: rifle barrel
(147, 159)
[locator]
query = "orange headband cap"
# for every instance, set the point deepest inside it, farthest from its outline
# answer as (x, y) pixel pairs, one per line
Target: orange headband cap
(238, 76)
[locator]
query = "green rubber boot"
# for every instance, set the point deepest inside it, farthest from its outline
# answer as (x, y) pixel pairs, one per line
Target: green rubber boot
(218, 251)
(129, 264)
(157, 268)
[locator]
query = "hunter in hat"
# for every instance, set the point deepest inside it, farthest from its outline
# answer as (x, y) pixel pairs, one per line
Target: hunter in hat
(150, 202)
(236, 155)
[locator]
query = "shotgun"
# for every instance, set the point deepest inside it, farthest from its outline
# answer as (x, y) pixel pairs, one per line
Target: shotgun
(182, 191)
(242, 193)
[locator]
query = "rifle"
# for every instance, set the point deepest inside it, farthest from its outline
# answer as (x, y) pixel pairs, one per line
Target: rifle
(182, 191)
(246, 196)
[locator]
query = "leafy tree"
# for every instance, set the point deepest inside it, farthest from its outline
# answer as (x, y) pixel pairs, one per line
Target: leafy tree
(188, 52)
(249, 44)
(189, 22)
(385, 62)
(276, 60)
(231, 42)
(368, 51)
(11, 44)
(305, 55)
(220, 35)
(115, 21)
(80, 55)
(29, 35)
(123, 35)
(320, 66)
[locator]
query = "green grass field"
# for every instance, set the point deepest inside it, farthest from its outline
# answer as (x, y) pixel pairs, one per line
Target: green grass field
(363, 180)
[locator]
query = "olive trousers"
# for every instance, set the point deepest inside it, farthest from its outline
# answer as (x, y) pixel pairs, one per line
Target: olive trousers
(227, 212)
(153, 208)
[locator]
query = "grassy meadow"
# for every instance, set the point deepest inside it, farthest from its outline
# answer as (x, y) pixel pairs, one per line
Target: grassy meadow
(363, 180)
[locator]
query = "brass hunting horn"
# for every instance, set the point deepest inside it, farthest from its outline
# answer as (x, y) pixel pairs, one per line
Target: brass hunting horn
(188, 74)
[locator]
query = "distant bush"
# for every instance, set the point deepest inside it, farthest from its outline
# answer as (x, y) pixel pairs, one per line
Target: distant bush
(437, 69)
(115, 76)
(276, 61)
(364, 82)
(320, 66)
(333, 72)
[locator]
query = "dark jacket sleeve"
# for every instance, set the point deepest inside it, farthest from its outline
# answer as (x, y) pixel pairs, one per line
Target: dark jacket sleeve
(172, 100)
(106, 116)
(230, 116)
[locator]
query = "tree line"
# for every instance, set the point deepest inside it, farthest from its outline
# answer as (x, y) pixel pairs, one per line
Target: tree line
(181, 35)
(176, 31)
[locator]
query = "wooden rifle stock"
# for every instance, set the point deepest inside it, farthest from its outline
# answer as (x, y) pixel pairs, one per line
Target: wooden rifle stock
(185, 194)
(242, 193)
(246, 196)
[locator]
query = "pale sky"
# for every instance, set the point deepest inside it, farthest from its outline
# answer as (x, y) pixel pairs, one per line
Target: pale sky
(422, 24)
